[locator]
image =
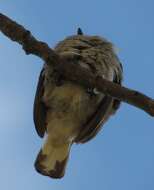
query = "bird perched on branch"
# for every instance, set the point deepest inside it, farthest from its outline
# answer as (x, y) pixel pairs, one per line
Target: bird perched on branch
(67, 113)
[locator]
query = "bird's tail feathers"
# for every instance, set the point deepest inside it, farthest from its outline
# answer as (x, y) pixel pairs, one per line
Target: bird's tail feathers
(52, 159)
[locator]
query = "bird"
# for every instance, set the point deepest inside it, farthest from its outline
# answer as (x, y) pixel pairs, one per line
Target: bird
(65, 112)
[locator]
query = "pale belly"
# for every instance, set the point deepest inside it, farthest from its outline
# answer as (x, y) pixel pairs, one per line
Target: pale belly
(69, 107)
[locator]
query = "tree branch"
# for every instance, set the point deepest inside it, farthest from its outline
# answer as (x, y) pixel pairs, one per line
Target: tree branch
(72, 71)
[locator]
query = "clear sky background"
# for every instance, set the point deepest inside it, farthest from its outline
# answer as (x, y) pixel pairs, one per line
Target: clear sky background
(121, 157)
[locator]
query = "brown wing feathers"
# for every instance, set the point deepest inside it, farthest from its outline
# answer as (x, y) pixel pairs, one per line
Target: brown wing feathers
(94, 124)
(39, 112)
(92, 127)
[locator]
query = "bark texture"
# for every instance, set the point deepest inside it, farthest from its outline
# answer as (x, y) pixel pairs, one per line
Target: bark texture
(70, 71)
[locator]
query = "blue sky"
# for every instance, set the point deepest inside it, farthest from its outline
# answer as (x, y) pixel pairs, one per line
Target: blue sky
(122, 155)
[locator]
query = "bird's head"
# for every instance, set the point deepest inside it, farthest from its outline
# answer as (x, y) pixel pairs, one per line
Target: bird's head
(81, 40)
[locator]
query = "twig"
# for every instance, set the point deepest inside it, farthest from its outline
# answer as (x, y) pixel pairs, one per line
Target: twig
(72, 71)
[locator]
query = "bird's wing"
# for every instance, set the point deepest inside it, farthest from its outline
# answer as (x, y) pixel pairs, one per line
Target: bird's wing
(106, 108)
(39, 111)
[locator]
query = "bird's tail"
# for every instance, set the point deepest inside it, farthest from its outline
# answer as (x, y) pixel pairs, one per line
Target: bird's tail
(52, 159)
